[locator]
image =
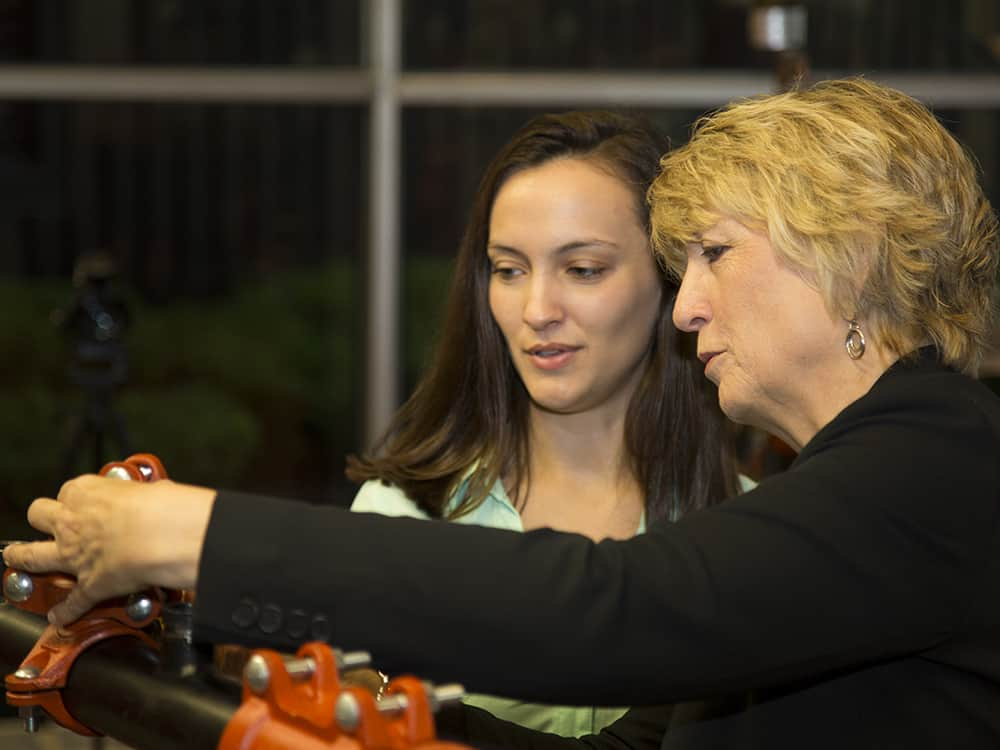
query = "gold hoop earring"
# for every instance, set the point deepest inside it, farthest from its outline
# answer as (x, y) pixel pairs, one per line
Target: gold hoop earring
(855, 341)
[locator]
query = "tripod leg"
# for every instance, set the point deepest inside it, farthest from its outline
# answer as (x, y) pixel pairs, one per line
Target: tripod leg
(74, 448)
(119, 433)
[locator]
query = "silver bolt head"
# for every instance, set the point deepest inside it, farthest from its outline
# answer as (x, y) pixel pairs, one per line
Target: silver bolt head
(26, 673)
(119, 472)
(257, 674)
(347, 712)
(18, 586)
(139, 607)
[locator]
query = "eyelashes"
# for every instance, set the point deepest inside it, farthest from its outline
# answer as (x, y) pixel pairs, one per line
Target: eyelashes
(579, 273)
(713, 252)
(586, 273)
(504, 273)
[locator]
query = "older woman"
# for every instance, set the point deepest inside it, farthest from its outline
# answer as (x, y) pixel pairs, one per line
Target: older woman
(839, 262)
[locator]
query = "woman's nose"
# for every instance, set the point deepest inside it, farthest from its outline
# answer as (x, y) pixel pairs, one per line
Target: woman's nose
(691, 308)
(542, 305)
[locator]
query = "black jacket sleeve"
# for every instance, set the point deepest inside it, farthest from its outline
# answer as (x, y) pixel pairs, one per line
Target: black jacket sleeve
(880, 541)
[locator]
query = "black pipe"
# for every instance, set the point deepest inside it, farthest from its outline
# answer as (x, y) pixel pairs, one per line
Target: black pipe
(117, 688)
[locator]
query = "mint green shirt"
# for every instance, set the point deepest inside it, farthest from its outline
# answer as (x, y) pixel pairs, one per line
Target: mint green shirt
(497, 511)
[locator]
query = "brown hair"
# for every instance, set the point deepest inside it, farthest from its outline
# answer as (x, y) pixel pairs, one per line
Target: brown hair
(471, 409)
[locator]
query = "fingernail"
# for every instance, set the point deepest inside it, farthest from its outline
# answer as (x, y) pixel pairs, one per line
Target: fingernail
(51, 618)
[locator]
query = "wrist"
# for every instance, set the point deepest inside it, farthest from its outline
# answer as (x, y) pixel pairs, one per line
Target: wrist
(173, 529)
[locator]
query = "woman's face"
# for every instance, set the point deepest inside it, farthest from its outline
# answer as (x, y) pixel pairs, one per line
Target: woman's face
(574, 287)
(764, 334)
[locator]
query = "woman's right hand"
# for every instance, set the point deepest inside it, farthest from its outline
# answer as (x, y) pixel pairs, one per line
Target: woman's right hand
(116, 537)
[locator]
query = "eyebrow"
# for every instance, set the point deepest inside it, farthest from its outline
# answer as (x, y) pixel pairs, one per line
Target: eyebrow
(561, 250)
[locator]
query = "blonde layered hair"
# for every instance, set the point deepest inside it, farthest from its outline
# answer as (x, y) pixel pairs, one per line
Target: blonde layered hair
(862, 191)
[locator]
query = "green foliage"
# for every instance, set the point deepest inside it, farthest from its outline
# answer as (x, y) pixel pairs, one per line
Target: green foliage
(30, 423)
(258, 389)
(427, 281)
(198, 427)
(31, 344)
(228, 391)
(291, 338)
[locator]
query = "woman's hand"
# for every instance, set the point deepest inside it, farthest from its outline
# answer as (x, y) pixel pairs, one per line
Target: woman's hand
(116, 537)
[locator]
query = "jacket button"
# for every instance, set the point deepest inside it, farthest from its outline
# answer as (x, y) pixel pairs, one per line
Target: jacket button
(245, 613)
(297, 623)
(319, 629)
(271, 618)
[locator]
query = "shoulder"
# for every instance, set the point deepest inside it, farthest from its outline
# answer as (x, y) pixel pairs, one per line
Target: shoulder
(917, 454)
(936, 408)
(375, 496)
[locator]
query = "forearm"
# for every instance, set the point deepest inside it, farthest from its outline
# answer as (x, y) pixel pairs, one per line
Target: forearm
(669, 616)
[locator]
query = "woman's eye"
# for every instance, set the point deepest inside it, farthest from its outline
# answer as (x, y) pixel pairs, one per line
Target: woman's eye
(505, 273)
(585, 273)
(713, 252)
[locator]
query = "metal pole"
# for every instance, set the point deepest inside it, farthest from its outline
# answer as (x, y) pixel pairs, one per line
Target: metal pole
(455, 88)
(115, 688)
(383, 337)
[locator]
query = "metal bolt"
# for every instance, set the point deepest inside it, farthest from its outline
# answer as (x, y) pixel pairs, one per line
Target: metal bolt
(347, 712)
(392, 704)
(303, 669)
(26, 673)
(300, 669)
(257, 674)
(444, 695)
(18, 586)
(353, 659)
(438, 696)
(177, 653)
(139, 607)
(119, 472)
(30, 715)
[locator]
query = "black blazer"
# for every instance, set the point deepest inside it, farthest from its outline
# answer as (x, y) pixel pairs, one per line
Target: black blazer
(850, 602)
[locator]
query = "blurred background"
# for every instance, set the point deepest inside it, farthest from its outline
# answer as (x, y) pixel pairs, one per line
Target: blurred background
(227, 226)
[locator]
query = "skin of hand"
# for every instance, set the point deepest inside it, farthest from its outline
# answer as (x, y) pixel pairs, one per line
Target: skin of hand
(116, 537)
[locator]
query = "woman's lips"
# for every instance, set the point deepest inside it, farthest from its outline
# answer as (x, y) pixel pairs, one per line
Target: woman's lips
(551, 358)
(709, 358)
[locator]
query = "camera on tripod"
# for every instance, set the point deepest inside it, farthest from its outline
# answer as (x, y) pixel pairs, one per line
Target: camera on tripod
(94, 324)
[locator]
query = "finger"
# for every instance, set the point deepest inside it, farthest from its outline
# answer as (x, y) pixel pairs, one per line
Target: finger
(76, 603)
(42, 514)
(72, 488)
(35, 557)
